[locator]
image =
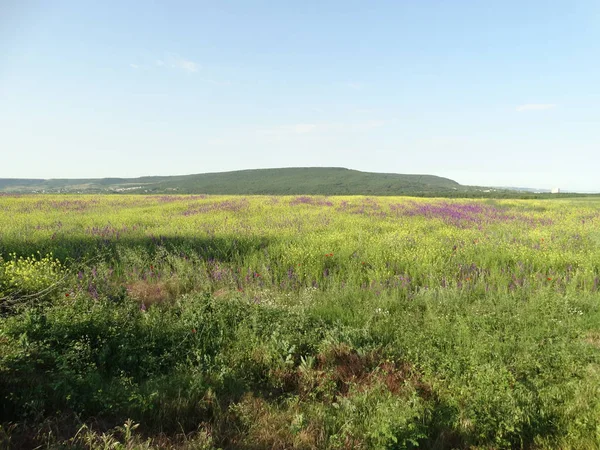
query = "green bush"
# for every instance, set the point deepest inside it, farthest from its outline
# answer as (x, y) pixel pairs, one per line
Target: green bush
(29, 276)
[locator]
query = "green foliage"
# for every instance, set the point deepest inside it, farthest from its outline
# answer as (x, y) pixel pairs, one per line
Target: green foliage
(29, 276)
(286, 181)
(330, 323)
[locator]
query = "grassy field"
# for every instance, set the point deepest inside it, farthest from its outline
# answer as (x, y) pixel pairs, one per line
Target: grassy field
(205, 322)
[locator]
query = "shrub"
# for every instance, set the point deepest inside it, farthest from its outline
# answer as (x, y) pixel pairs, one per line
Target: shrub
(29, 278)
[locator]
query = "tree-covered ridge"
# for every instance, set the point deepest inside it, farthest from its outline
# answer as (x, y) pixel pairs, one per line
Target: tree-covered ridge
(285, 181)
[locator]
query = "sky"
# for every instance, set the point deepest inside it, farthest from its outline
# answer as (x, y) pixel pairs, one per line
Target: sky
(486, 93)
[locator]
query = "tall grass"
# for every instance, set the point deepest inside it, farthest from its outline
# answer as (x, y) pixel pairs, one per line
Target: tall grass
(298, 322)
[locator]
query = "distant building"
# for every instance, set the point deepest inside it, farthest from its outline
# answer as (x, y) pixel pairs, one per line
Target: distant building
(555, 190)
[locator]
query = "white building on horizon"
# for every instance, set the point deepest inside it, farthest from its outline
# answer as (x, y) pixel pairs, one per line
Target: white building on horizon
(555, 190)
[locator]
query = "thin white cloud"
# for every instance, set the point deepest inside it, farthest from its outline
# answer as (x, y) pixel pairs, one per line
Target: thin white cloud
(353, 85)
(174, 61)
(445, 141)
(216, 82)
(331, 127)
(302, 128)
(185, 65)
(217, 142)
(298, 128)
(535, 107)
(371, 124)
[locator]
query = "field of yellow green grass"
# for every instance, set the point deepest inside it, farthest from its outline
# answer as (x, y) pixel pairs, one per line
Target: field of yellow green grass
(299, 322)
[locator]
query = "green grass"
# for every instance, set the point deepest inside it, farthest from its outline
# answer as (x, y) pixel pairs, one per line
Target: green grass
(298, 322)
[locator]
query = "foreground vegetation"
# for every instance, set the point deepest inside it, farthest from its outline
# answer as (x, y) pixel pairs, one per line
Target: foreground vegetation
(196, 322)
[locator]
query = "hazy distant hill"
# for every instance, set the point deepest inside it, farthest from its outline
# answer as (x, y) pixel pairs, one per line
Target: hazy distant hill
(523, 189)
(288, 181)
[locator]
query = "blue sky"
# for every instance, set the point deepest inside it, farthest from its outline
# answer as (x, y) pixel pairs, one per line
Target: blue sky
(488, 93)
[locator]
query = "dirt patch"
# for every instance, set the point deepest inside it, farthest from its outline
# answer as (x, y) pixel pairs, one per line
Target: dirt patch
(149, 293)
(222, 293)
(345, 366)
(349, 369)
(593, 338)
(264, 425)
(342, 370)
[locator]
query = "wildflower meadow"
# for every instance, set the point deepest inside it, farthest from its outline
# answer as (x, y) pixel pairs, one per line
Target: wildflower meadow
(299, 322)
